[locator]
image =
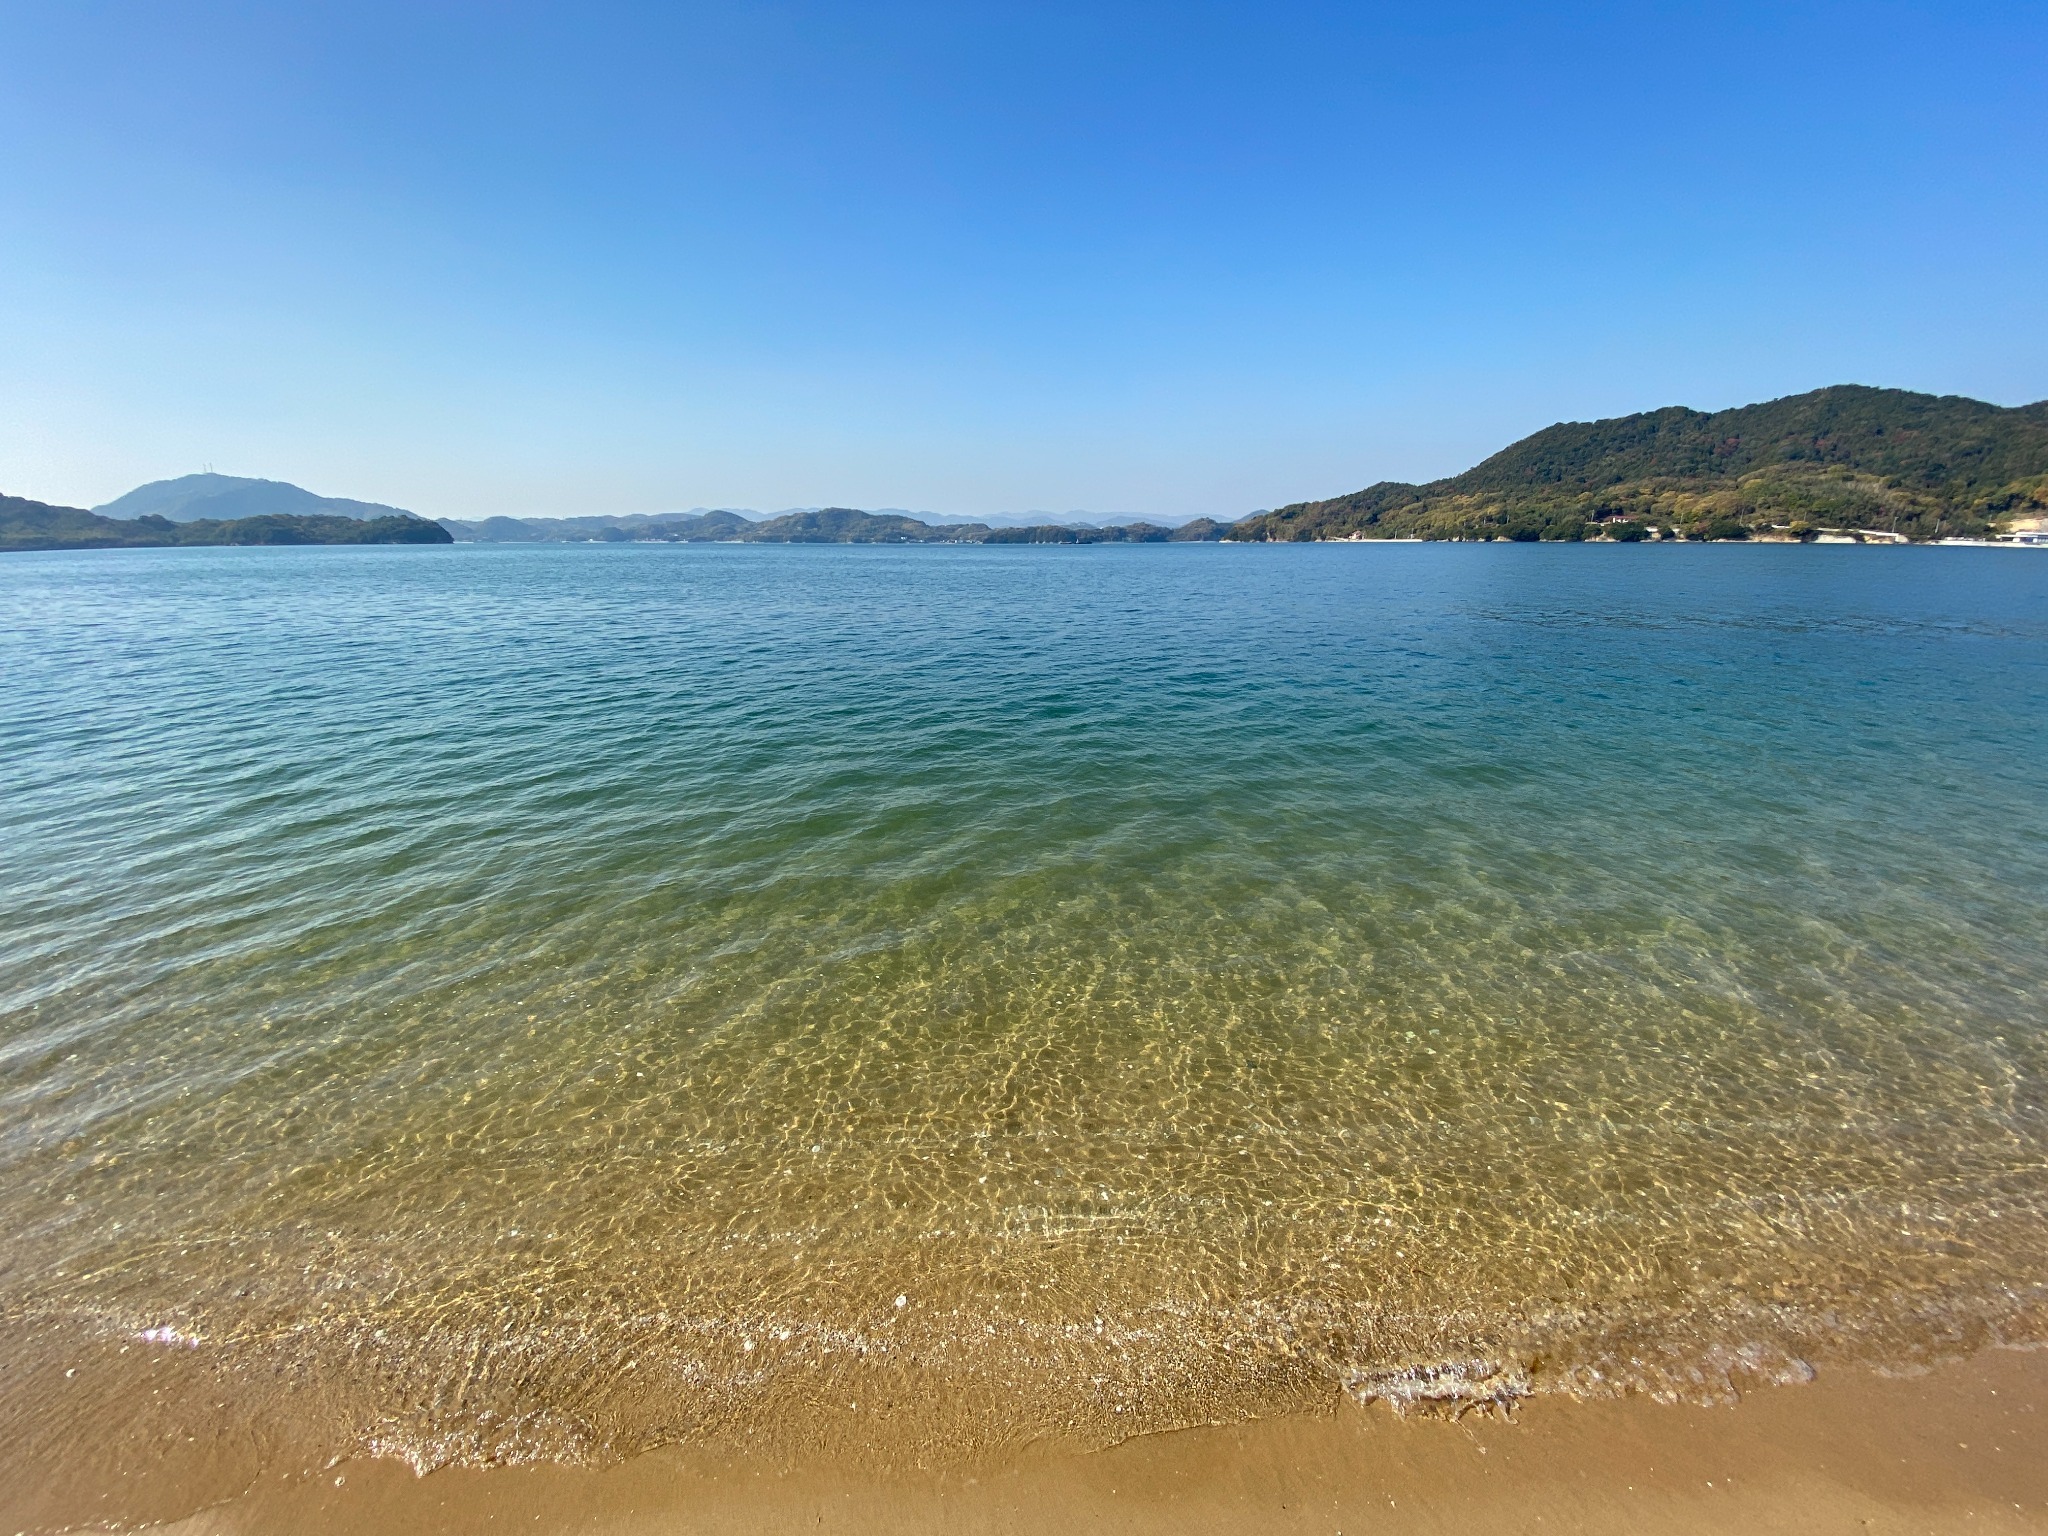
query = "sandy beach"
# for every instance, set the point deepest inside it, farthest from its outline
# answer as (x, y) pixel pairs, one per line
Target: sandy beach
(1961, 1448)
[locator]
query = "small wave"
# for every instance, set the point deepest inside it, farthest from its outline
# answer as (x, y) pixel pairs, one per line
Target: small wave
(1455, 1387)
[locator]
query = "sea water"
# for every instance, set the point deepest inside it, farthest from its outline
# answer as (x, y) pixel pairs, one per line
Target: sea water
(496, 1003)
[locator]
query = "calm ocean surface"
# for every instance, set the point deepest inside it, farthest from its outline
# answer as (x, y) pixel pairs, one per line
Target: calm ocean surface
(496, 1003)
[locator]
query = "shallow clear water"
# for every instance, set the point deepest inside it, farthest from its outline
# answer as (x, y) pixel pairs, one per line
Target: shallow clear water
(511, 1002)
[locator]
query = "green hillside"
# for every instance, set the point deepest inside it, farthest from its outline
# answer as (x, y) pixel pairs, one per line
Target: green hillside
(1926, 466)
(844, 525)
(26, 525)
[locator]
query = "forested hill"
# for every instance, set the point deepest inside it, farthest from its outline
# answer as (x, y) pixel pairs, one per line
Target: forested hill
(1844, 457)
(26, 525)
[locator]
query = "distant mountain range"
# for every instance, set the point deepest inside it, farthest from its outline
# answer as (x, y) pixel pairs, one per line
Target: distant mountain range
(211, 498)
(190, 502)
(821, 525)
(1847, 457)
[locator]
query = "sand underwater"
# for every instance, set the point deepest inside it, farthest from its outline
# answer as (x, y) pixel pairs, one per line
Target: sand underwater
(704, 1029)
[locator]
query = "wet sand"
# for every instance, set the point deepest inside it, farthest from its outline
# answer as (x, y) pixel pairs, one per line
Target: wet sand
(1962, 1448)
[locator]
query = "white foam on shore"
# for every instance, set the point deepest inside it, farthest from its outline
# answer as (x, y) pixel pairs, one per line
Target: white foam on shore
(1453, 1386)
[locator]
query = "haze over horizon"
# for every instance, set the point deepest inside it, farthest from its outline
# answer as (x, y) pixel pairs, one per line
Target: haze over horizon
(1147, 261)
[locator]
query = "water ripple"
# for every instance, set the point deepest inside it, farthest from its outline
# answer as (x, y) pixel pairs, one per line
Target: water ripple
(553, 1000)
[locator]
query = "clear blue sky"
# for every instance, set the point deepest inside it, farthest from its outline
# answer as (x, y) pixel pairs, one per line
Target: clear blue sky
(1141, 259)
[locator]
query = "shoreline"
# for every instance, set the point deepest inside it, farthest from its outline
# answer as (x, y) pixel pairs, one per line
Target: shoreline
(1964, 1445)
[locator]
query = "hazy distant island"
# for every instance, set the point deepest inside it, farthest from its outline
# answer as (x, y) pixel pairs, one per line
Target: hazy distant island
(229, 509)
(814, 525)
(1846, 462)
(211, 498)
(211, 509)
